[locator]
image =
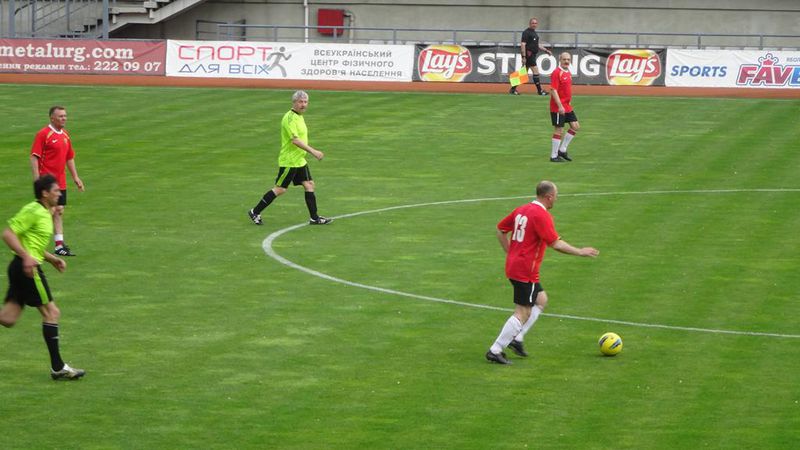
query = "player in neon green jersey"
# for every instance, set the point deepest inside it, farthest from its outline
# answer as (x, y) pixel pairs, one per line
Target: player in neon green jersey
(27, 235)
(293, 167)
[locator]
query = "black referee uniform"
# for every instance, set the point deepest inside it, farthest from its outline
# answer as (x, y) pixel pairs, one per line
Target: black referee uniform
(531, 40)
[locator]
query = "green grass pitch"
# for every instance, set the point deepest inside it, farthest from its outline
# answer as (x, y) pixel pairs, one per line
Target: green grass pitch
(192, 337)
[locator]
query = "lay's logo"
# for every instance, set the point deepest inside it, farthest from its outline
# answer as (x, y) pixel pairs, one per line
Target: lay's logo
(444, 63)
(633, 68)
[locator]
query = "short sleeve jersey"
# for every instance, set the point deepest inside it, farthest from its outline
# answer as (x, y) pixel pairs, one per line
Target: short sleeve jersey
(561, 82)
(531, 40)
(293, 125)
(532, 230)
(54, 149)
(33, 225)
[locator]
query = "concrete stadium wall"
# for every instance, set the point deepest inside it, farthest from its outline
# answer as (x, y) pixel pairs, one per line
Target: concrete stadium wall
(669, 16)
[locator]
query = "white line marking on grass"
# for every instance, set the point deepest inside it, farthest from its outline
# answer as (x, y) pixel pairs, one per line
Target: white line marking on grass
(267, 246)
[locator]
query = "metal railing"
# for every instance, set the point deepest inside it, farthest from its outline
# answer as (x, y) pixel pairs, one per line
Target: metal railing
(55, 18)
(210, 30)
(204, 28)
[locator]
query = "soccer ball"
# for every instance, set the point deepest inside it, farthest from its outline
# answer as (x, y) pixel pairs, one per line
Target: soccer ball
(610, 344)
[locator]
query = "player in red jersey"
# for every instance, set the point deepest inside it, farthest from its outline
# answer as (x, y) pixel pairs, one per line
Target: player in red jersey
(525, 234)
(51, 152)
(560, 110)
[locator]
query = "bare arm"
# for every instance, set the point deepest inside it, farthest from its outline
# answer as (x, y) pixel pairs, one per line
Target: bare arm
(557, 99)
(502, 237)
(28, 261)
(14, 243)
(314, 152)
(57, 262)
(564, 247)
(35, 167)
(544, 49)
(74, 172)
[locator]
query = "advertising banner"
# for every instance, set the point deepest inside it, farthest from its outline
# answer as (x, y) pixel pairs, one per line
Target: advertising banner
(494, 64)
(733, 68)
(294, 61)
(632, 67)
(82, 56)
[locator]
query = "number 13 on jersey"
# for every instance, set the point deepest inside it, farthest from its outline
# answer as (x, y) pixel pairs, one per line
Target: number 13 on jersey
(520, 222)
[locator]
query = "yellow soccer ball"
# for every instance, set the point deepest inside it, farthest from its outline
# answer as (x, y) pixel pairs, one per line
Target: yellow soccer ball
(610, 344)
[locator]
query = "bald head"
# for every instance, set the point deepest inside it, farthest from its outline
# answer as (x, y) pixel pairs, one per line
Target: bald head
(564, 60)
(545, 187)
(546, 193)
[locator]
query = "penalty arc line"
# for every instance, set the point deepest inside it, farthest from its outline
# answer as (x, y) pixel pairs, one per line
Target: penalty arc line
(270, 251)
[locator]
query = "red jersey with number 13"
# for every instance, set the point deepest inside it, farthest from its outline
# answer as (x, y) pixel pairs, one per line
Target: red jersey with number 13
(532, 230)
(54, 149)
(561, 82)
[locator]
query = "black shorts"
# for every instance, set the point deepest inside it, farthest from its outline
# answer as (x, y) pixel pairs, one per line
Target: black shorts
(62, 201)
(293, 175)
(27, 291)
(559, 120)
(530, 58)
(525, 293)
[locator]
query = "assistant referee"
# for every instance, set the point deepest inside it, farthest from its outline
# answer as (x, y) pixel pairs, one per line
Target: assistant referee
(27, 235)
(529, 47)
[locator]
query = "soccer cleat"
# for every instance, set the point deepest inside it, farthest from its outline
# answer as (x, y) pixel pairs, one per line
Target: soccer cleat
(498, 358)
(320, 221)
(513, 91)
(543, 93)
(256, 218)
(558, 159)
(67, 373)
(564, 155)
(63, 251)
(516, 347)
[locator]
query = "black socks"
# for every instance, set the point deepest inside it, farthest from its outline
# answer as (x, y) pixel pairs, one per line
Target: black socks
(265, 201)
(311, 202)
(50, 332)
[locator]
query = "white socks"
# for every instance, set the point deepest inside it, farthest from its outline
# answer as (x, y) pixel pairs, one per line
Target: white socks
(560, 144)
(535, 311)
(510, 329)
(556, 145)
(513, 329)
(567, 139)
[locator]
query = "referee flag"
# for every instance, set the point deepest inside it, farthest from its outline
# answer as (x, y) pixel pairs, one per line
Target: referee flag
(518, 77)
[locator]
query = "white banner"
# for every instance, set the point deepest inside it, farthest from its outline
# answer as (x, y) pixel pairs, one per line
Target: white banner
(733, 68)
(294, 61)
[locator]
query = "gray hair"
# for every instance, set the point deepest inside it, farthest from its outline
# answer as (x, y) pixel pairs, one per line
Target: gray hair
(299, 95)
(545, 187)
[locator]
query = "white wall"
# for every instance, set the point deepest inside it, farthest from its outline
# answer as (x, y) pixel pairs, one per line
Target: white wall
(676, 16)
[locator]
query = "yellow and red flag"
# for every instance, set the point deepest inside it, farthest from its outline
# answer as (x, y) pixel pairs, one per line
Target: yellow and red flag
(518, 77)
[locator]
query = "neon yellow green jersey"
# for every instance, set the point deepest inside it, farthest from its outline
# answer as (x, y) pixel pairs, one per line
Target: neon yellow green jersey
(293, 125)
(33, 225)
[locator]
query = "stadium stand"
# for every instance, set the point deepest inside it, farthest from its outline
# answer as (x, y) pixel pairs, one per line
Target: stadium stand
(728, 24)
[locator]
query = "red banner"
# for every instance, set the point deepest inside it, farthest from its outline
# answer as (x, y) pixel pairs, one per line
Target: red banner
(83, 56)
